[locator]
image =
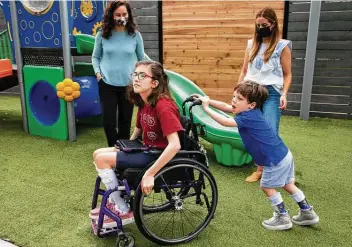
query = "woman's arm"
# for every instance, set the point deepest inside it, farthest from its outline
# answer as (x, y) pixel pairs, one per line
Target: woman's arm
(286, 68)
(244, 67)
(140, 47)
(136, 133)
(169, 152)
(96, 55)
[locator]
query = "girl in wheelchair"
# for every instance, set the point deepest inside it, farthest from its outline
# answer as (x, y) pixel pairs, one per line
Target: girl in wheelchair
(158, 120)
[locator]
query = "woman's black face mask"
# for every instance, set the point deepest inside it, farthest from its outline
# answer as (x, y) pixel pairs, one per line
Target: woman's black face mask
(264, 32)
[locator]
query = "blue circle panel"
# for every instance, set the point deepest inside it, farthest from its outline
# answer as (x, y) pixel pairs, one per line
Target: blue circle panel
(88, 104)
(44, 103)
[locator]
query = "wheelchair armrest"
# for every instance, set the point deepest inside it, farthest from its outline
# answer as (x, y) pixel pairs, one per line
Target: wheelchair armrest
(154, 151)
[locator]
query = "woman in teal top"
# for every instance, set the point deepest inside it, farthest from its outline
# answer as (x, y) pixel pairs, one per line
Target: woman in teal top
(113, 59)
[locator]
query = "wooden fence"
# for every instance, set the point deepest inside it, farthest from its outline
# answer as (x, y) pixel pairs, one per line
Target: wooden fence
(332, 83)
(206, 40)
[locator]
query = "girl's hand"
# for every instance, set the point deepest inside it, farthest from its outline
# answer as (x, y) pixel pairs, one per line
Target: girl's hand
(98, 76)
(147, 184)
(283, 102)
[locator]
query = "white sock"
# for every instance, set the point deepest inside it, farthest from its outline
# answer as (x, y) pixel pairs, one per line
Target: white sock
(108, 178)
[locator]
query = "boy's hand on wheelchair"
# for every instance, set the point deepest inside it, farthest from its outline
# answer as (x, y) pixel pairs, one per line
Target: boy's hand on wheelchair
(205, 101)
(196, 96)
(147, 184)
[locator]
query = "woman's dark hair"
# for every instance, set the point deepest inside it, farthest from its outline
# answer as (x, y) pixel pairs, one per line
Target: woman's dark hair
(253, 92)
(109, 23)
(162, 90)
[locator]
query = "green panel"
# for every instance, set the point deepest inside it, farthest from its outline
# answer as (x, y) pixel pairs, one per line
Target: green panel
(52, 75)
(85, 43)
(83, 69)
(5, 45)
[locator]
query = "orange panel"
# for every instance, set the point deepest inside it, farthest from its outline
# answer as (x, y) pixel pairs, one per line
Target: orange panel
(5, 68)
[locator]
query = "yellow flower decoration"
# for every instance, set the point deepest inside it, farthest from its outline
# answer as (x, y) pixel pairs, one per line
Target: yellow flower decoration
(68, 90)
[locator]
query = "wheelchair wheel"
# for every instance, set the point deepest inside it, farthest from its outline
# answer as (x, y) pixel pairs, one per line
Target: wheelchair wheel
(161, 199)
(176, 211)
(126, 242)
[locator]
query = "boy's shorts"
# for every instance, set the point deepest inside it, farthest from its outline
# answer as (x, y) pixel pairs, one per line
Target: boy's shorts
(141, 159)
(279, 175)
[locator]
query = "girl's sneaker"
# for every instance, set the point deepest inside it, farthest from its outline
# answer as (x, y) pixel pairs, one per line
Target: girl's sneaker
(94, 213)
(127, 218)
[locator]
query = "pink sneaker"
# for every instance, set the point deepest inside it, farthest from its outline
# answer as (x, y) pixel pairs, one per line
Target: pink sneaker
(127, 218)
(94, 213)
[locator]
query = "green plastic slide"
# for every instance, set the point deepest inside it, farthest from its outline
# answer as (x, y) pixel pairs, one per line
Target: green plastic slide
(227, 143)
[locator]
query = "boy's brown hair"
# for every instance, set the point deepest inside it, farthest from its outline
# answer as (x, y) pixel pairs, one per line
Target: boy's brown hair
(253, 92)
(162, 90)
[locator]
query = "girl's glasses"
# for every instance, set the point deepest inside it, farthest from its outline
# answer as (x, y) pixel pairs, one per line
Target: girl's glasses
(140, 75)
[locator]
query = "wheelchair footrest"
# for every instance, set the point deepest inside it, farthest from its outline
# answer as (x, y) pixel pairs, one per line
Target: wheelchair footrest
(103, 231)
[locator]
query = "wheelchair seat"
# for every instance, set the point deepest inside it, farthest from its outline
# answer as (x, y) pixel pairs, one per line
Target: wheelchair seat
(190, 149)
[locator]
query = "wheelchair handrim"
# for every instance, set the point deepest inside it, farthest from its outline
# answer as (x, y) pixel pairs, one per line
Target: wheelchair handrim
(210, 212)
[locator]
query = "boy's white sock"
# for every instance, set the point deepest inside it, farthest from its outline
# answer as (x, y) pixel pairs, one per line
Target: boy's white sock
(301, 200)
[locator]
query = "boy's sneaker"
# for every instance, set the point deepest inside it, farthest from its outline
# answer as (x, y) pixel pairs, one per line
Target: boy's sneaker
(278, 222)
(94, 213)
(306, 217)
(127, 218)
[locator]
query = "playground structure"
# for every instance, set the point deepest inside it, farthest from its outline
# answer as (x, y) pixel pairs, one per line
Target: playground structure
(44, 112)
(41, 35)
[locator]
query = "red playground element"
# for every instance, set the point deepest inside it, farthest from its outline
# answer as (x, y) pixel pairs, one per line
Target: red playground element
(5, 68)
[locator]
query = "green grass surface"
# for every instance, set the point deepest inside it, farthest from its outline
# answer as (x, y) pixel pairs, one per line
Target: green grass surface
(46, 188)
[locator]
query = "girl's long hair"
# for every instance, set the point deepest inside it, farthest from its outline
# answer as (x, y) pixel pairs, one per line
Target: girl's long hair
(109, 23)
(270, 15)
(162, 90)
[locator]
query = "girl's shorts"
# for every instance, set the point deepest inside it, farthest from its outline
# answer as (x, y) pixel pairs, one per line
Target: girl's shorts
(142, 159)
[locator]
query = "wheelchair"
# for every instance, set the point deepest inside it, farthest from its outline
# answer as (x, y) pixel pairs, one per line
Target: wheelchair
(182, 202)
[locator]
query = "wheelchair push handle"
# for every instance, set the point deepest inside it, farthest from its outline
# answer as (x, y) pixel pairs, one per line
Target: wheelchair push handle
(189, 99)
(196, 102)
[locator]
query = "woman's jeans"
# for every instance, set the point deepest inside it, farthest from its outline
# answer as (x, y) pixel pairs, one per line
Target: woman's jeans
(114, 99)
(271, 110)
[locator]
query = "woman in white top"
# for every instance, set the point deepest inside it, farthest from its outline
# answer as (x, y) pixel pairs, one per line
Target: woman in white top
(268, 61)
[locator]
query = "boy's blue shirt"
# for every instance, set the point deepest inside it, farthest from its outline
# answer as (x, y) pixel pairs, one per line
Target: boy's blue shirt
(115, 58)
(259, 138)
